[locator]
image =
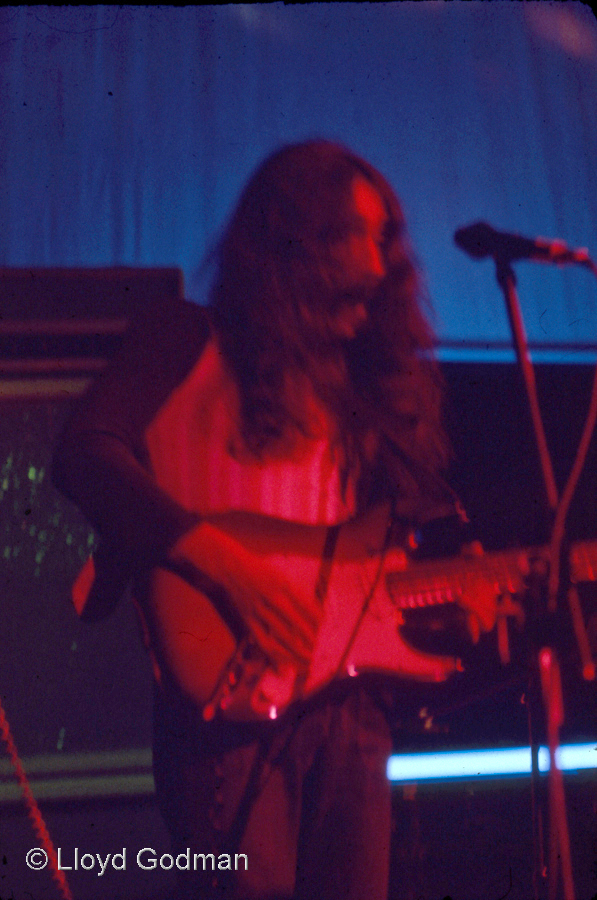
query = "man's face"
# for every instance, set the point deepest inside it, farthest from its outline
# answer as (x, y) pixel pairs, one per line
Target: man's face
(358, 258)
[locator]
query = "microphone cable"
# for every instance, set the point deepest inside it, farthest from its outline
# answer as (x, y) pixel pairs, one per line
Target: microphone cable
(33, 810)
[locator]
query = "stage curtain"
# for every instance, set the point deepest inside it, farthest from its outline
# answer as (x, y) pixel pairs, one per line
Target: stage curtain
(126, 134)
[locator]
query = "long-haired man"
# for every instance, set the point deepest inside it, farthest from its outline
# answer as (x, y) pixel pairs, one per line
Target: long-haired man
(304, 394)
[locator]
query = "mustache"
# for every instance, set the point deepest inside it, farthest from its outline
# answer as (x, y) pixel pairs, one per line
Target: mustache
(365, 293)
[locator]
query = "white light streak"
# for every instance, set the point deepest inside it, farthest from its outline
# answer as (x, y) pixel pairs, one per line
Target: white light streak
(466, 764)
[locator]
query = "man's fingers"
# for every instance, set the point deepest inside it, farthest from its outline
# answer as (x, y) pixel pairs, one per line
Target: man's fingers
(290, 614)
(280, 648)
(474, 627)
(285, 632)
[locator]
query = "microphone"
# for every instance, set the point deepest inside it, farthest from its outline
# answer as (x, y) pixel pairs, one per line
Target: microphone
(480, 240)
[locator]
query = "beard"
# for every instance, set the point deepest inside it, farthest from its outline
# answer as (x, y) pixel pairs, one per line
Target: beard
(330, 327)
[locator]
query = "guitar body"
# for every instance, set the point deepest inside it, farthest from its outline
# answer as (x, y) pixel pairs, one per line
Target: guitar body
(191, 641)
(359, 632)
(369, 590)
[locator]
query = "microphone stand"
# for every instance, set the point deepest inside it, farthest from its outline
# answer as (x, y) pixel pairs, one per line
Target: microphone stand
(548, 666)
(507, 281)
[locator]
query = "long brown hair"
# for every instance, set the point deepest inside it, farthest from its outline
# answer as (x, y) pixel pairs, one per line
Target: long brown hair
(273, 263)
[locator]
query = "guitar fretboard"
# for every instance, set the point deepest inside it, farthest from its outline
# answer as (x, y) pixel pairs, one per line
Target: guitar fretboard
(447, 580)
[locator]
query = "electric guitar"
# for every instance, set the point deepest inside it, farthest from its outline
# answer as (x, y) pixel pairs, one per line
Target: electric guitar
(369, 590)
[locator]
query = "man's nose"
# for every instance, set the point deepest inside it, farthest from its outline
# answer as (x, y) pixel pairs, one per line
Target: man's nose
(376, 263)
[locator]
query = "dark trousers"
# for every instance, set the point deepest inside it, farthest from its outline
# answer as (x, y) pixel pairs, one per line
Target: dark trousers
(303, 802)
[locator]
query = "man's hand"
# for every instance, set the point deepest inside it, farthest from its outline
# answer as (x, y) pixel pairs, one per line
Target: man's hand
(487, 603)
(284, 625)
(479, 597)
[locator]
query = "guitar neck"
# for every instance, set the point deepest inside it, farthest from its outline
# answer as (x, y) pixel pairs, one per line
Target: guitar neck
(446, 580)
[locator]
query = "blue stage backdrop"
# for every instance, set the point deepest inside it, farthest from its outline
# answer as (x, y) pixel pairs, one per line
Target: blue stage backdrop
(127, 133)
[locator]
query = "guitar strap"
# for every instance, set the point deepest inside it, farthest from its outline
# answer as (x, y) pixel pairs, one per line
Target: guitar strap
(325, 568)
(369, 595)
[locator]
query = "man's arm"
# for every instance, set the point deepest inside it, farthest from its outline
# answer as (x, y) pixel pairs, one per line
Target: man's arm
(100, 460)
(100, 464)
